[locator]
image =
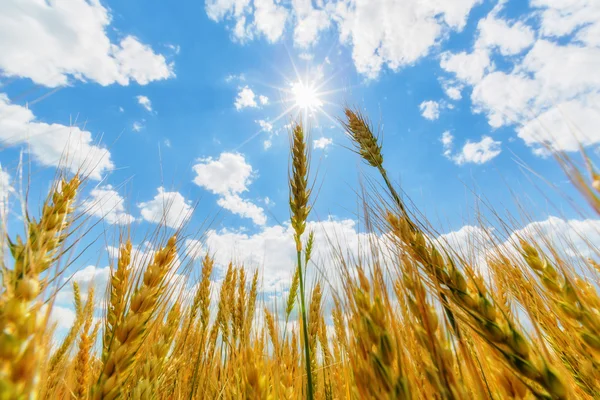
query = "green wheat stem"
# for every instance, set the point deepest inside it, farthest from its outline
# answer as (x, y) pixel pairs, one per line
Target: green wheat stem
(305, 329)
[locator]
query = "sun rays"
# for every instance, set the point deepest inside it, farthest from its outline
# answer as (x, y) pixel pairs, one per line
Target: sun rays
(304, 97)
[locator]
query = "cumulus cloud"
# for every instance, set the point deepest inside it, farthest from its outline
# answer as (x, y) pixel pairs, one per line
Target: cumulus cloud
(561, 18)
(168, 208)
(106, 203)
(478, 152)
(509, 39)
(550, 80)
(387, 33)
(230, 173)
(273, 251)
(145, 102)
(63, 42)
(472, 152)
(322, 143)
(52, 144)
(550, 94)
(453, 91)
(265, 126)
(242, 207)
(229, 176)
(572, 123)
(384, 33)
(468, 67)
(430, 110)
(245, 98)
(63, 317)
(310, 21)
(573, 238)
(268, 17)
(264, 100)
(85, 277)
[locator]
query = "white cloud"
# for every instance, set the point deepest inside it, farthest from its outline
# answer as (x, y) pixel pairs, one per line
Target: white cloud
(63, 317)
(590, 35)
(242, 207)
(453, 91)
(509, 39)
(168, 208)
(565, 126)
(560, 18)
(90, 275)
(267, 17)
(145, 102)
(472, 152)
(106, 203)
(310, 21)
(265, 125)
(245, 98)
(571, 237)
(273, 251)
(468, 67)
(447, 140)
(5, 190)
(52, 144)
(264, 100)
(555, 84)
(396, 33)
(267, 144)
(229, 176)
(137, 126)
(322, 143)
(270, 19)
(471, 243)
(430, 109)
(53, 42)
(386, 33)
(551, 93)
(478, 152)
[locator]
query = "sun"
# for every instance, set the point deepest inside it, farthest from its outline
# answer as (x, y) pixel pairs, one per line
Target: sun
(306, 96)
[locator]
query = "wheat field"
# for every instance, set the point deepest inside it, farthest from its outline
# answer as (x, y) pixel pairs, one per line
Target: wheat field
(414, 318)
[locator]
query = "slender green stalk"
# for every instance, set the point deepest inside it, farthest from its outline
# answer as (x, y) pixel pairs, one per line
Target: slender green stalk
(305, 329)
(299, 209)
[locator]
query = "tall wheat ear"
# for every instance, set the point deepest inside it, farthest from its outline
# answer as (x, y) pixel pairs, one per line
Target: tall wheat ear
(21, 321)
(130, 334)
(299, 210)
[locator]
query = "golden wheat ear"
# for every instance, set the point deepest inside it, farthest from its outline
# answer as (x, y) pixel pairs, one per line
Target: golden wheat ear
(365, 142)
(299, 210)
(129, 335)
(21, 319)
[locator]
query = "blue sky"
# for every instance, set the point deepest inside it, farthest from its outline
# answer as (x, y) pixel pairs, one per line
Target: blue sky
(187, 103)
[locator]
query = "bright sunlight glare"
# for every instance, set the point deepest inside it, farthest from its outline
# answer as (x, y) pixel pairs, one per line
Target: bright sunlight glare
(306, 96)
